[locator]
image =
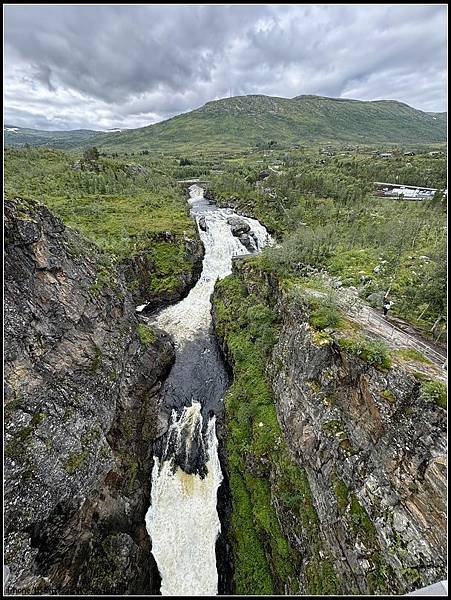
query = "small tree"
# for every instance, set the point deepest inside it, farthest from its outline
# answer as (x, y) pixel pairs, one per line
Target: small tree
(91, 154)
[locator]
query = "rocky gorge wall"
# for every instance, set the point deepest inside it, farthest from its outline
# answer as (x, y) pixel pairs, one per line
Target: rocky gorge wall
(350, 475)
(375, 455)
(82, 376)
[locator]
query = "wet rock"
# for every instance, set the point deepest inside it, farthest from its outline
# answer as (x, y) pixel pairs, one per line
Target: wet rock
(202, 223)
(237, 226)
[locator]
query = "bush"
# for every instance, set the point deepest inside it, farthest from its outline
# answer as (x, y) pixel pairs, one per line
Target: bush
(91, 154)
(325, 316)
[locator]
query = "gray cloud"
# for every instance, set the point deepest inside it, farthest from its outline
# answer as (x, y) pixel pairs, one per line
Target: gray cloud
(128, 66)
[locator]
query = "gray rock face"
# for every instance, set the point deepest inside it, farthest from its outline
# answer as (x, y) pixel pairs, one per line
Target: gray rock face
(80, 415)
(238, 226)
(375, 455)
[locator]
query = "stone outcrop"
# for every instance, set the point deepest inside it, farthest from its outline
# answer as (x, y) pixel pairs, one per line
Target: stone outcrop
(139, 268)
(241, 230)
(375, 455)
(80, 414)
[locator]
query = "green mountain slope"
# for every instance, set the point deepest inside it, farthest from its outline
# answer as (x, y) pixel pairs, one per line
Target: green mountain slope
(246, 121)
(19, 136)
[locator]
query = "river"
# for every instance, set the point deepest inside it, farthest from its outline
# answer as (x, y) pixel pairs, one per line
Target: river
(182, 520)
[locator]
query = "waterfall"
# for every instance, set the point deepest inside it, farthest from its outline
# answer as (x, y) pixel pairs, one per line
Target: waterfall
(183, 523)
(182, 519)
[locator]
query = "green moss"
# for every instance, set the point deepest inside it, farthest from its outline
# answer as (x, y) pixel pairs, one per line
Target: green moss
(105, 279)
(19, 443)
(97, 360)
(388, 395)
(68, 412)
(252, 571)
(170, 263)
(412, 575)
(264, 560)
(321, 338)
(436, 392)
(332, 427)
(76, 461)
(321, 578)
(146, 334)
(341, 493)
(361, 522)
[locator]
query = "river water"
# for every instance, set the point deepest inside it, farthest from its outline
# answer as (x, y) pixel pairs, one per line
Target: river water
(182, 519)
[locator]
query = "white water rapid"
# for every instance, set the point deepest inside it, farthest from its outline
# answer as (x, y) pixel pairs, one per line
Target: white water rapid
(182, 519)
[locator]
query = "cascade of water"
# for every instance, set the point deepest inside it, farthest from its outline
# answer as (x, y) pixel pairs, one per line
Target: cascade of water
(182, 519)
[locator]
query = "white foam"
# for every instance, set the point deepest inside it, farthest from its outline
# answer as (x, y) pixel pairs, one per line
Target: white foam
(183, 522)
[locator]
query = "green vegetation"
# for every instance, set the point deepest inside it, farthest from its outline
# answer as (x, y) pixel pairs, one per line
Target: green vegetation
(374, 352)
(325, 215)
(264, 560)
(434, 391)
(412, 354)
(341, 493)
(124, 211)
(146, 334)
(265, 122)
(76, 461)
(325, 316)
(388, 395)
(37, 137)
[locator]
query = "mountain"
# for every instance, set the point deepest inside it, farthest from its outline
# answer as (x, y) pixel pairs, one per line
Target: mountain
(19, 136)
(245, 121)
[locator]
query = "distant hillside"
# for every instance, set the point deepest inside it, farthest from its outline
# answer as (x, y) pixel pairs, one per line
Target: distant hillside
(19, 136)
(246, 121)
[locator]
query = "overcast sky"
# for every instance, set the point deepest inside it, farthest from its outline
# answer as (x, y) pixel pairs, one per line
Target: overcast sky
(101, 67)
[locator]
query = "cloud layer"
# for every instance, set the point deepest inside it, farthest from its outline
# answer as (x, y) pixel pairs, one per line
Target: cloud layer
(103, 67)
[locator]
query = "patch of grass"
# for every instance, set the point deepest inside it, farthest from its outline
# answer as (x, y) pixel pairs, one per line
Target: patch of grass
(325, 316)
(436, 392)
(374, 352)
(412, 354)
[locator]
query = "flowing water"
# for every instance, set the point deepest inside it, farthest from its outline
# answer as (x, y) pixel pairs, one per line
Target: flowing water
(182, 519)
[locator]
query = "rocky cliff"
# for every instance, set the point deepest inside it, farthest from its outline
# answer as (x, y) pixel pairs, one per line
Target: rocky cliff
(82, 376)
(375, 456)
(345, 491)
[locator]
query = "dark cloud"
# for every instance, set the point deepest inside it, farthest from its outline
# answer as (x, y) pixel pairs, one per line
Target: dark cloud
(127, 66)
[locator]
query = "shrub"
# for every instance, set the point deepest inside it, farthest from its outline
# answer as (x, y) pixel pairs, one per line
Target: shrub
(325, 316)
